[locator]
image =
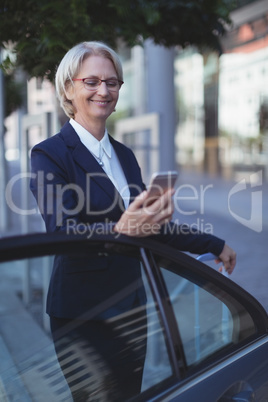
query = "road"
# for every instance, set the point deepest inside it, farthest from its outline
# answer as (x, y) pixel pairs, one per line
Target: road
(224, 208)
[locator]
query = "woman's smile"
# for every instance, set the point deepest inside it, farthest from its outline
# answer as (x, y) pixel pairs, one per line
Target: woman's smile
(98, 102)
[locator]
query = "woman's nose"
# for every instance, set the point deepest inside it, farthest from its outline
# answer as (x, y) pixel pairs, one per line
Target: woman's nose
(103, 90)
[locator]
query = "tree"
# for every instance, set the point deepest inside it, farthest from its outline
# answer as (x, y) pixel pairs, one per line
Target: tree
(41, 31)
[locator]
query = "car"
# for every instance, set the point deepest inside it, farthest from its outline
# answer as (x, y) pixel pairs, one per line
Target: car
(207, 337)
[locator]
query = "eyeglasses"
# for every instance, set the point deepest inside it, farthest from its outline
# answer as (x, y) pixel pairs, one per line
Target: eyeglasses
(92, 84)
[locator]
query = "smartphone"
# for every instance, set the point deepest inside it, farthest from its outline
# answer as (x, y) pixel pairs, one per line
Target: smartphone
(160, 182)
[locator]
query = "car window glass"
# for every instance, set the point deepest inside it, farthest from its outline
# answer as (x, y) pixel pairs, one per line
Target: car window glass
(157, 365)
(208, 318)
(28, 363)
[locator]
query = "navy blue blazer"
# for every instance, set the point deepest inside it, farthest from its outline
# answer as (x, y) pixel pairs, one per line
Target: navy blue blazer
(71, 190)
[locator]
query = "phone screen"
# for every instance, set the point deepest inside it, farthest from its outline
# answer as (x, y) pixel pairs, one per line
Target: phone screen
(161, 182)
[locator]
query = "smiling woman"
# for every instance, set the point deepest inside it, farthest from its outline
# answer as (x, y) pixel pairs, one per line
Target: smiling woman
(81, 177)
(92, 107)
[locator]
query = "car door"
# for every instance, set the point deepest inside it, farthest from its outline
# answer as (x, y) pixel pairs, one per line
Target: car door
(222, 330)
(29, 370)
(207, 338)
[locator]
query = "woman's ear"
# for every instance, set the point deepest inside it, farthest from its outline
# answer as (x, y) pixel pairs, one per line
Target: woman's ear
(69, 91)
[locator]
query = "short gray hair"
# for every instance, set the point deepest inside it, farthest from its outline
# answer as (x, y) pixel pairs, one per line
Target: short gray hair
(71, 63)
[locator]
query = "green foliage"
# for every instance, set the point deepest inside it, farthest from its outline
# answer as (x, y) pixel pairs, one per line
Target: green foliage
(43, 30)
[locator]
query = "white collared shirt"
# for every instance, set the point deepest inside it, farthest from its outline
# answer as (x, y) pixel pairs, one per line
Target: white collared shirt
(104, 152)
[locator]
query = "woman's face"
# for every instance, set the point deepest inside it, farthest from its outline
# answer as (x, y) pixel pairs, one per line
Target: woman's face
(93, 106)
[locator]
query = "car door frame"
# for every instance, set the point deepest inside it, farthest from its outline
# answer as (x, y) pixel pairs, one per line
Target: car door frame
(194, 384)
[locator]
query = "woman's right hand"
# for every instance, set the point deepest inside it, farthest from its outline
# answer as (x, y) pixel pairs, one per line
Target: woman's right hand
(143, 217)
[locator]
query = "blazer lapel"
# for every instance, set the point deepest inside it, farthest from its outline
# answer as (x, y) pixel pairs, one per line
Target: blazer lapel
(87, 162)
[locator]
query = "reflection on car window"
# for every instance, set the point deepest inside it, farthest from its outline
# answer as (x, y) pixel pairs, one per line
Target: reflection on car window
(157, 365)
(204, 321)
(208, 318)
(29, 364)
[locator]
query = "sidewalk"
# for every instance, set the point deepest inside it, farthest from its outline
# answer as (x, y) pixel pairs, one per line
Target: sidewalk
(29, 370)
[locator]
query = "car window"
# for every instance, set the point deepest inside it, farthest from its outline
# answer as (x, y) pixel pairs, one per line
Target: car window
(209, 319)
(28, 365)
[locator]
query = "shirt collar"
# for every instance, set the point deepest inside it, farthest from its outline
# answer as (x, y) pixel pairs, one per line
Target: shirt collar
(90, 142)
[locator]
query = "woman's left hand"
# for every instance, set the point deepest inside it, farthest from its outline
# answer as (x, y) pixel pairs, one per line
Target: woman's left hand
(228, 258)
(143, 218)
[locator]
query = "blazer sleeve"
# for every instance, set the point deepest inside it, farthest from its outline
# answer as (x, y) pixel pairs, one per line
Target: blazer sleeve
(185, 238)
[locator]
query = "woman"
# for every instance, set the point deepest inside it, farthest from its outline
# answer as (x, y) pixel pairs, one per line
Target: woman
(88, 177)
